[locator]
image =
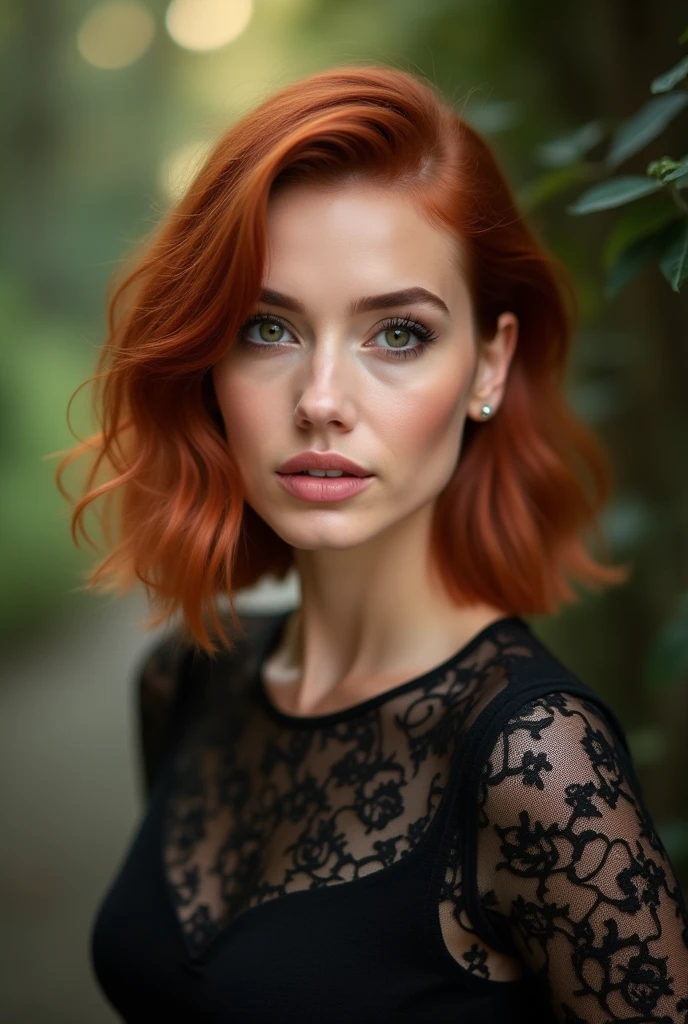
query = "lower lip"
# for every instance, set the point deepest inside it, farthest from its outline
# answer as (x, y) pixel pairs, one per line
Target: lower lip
(323, 488)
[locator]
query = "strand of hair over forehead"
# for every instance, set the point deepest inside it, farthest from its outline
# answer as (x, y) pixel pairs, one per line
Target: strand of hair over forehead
(389, 114)
(513, 525)
(340, 124)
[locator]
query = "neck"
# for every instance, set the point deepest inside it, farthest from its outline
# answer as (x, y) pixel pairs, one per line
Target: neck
(370, 618)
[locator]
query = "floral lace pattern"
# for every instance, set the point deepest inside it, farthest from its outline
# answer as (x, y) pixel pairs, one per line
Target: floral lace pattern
(570, 885)
(571, 872)
(258, 808)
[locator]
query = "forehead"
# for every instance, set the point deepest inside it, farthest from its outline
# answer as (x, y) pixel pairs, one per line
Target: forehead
(358, 236)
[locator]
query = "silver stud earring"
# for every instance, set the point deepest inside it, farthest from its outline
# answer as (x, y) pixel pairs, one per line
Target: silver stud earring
(486, 411)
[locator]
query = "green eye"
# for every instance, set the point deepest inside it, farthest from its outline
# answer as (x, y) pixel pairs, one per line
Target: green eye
(397, 332)
(400, 337)
(270, 331)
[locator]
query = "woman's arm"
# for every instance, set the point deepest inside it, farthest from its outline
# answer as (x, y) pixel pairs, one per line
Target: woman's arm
(575, 873)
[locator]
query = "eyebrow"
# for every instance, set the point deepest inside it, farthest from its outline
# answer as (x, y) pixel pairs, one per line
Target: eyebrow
(366, 304)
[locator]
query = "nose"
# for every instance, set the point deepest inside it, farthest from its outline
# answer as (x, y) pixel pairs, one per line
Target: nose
(325, 395)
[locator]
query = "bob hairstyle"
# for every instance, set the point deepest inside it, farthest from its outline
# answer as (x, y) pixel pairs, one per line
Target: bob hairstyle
(508, 528)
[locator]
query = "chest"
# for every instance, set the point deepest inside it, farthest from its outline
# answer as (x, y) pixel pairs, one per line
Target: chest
(279, 867)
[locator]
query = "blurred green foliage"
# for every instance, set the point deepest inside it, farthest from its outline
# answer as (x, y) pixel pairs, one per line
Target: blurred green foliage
(652, 231)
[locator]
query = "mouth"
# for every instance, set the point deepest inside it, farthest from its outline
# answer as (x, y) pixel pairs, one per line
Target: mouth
(305, 463)
(326, 476)
(309, 488)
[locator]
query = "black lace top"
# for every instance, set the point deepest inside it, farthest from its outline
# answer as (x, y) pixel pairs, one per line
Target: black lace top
(470, 846)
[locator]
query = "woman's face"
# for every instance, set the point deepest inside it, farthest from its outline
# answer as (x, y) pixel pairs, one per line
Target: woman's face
(328, 375)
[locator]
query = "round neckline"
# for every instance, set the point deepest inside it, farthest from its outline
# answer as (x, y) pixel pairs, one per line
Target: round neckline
(363, 706)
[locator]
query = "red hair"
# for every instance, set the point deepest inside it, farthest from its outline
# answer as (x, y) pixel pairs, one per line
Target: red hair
(509, 527)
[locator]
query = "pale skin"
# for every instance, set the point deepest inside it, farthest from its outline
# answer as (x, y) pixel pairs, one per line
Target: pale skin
(373, 614)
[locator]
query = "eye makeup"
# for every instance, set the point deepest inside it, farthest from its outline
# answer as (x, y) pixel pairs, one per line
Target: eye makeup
(425, 335)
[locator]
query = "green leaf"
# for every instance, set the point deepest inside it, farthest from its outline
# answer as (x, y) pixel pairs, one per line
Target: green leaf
(661, 168)
(632, 260)
(645, 125)
(639, 221)
(674, 259)
(551, 184)
(614, 192)
(671, 78)
(679, 172)
(678, 176)
(566, 148)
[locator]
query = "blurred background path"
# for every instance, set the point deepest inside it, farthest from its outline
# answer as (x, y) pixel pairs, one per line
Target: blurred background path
(71, 795)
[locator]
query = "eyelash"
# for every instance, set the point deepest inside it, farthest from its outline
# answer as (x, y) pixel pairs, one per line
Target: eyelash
(395, 323)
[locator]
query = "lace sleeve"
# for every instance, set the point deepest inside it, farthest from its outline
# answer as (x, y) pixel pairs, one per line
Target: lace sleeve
(573, 873)
(157, 685)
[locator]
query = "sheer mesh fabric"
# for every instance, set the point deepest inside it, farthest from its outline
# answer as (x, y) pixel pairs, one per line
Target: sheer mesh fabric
(262, 805)
(547, 866)
(571, 872)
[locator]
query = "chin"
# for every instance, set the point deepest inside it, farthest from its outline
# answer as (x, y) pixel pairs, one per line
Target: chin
(310, 536)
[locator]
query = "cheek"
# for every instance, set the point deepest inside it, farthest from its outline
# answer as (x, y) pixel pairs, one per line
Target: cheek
(432, 421)
(243, 412)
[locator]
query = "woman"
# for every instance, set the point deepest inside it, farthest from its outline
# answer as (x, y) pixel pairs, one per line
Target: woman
(343, 351)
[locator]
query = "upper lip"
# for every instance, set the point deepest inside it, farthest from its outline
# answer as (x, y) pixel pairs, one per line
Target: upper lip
(322, 460)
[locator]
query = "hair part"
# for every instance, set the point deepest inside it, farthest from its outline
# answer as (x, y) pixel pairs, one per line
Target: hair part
(509, 529)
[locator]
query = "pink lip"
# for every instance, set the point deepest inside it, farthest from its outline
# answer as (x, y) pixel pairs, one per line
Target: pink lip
(322, 460)
(322, 488)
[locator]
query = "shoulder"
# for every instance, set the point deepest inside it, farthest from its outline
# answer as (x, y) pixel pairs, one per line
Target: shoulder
(515, 673)
(557, 738)
(172, 680)
(558, 783)
(548, 727)
(543, 741)
(532, 676)
(158, 680)
(158, 667)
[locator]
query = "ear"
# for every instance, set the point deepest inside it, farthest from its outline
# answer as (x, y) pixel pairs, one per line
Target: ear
(492, 367)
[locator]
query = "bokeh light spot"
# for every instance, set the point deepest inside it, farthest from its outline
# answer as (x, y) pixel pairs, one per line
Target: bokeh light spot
(207, 24)
(115, 34)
